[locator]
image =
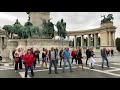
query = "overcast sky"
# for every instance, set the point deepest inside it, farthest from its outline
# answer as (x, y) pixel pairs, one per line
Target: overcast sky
(74, 20)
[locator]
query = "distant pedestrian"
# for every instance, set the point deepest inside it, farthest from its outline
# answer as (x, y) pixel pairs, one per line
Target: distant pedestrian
(74, 56)
(112, 52)
(91, 60)
(104, 57)
(87, 55)
(44, 53)
(13, 55)
(36, 55)
(79, 57)
(56, 50)
(61, 56)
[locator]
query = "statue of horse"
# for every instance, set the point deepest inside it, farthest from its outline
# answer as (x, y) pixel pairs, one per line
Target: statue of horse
(107, 19)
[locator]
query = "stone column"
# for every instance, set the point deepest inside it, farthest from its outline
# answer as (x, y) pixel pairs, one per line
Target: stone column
(75, 41)
(0, 44)
(89, 39)
(114, 39)
(109, 38)
(95, 39)
(82, 40)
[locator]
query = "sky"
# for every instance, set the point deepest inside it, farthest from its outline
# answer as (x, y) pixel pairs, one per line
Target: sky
(74, 20)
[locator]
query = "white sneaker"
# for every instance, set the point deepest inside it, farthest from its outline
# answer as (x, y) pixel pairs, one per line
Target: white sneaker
(16, 71)
(72, 65)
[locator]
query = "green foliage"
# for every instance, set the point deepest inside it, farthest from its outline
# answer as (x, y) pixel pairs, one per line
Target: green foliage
(118, 44)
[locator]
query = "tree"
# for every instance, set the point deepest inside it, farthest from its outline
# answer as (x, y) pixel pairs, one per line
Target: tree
(118, 44)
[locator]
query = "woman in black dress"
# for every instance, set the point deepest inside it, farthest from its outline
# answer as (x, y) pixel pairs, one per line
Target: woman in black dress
(79, 57)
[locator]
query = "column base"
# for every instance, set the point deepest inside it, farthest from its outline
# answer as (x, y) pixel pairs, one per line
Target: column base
(109, 47)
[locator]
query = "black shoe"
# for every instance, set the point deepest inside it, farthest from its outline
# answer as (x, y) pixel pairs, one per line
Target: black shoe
(56, 73)
(71, 71)
(49, 73)
(102, 67)
(93, 68)
(60, 66)
(108, 66)
(32, 75)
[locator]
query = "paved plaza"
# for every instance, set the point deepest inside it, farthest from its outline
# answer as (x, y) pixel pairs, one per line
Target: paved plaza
(98, 72)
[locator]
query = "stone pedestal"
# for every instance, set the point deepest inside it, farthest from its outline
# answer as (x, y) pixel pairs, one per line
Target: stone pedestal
(33, 43)
(106, 36)
(37, 18)
(11, 44)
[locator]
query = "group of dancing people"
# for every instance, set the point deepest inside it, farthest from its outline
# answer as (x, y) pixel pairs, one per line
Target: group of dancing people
(53, 56)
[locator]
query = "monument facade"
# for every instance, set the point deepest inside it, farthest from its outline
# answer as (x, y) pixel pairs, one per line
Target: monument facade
(37, 18)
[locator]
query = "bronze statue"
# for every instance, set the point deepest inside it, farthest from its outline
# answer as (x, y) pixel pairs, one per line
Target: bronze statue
(107, 19)
(48, 29)
(61, 26)
(9, 30)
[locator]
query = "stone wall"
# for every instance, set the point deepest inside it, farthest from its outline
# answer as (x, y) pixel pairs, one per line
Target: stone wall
(33, 43)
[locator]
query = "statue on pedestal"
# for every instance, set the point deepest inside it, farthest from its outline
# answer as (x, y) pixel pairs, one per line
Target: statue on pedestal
(107, 19)
(48, 29)
(61, 26)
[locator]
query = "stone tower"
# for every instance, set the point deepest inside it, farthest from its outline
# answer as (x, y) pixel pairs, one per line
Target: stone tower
(37, 17)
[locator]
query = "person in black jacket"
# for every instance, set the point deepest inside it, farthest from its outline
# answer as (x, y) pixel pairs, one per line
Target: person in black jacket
(44, 58)
(79, 57)
(61, 56)
(87, 55)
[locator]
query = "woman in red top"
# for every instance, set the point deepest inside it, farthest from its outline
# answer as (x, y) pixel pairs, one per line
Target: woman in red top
(28, 62)
(73, 54)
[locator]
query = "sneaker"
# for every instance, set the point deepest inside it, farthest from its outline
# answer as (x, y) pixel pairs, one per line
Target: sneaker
(72, 65)
(16, 71)
(35, 68)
